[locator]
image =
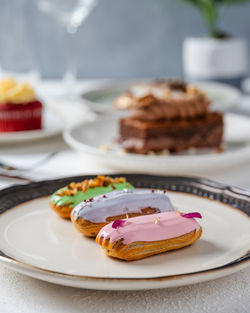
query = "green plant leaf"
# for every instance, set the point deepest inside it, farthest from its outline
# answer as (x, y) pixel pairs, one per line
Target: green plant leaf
(209, 9)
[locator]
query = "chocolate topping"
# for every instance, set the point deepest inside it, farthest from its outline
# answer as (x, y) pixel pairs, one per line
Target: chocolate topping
(164, 100)
(173, 84)
(181, 105)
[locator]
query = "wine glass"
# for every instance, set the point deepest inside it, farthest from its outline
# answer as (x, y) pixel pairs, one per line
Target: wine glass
(17, 58)
(69, 14)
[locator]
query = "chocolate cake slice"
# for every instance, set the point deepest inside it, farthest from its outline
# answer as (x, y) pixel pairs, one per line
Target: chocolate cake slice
(177, 135)
(170, 118)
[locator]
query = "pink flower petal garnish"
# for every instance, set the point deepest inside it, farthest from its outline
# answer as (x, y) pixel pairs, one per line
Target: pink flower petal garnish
(118, 223)
(192, 215)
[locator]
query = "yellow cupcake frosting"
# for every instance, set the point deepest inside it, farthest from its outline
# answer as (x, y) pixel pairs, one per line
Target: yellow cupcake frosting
(15, 93)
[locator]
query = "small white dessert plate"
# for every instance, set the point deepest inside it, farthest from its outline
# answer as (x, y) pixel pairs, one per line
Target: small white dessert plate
(52, 126)
(101, 98)
(98, 139)
(36, 242)
(222, 96)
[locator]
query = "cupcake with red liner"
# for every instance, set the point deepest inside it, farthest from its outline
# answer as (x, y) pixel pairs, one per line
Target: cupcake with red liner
(19, 108)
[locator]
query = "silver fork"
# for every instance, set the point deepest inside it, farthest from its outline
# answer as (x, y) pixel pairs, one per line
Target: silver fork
(10, 171)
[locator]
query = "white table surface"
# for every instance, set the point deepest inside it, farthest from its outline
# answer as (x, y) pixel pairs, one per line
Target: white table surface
(19, 293)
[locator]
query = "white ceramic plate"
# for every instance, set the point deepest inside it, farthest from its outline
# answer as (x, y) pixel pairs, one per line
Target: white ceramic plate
(89, 137)
(52, 126)
(36, 242)
(223, 96)
(100, 99)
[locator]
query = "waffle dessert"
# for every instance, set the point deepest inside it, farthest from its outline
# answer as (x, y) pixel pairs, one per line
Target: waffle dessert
(172, 117)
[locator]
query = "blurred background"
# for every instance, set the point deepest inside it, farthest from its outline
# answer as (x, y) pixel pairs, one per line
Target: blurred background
(108, 45)
(122, 39)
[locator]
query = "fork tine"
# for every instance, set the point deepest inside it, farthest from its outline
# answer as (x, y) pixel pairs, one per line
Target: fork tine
(7, 167)
(8, 174)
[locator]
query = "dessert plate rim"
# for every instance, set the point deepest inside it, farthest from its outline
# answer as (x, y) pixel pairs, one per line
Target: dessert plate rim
(169, 164)
(234, 197)
(224, 96)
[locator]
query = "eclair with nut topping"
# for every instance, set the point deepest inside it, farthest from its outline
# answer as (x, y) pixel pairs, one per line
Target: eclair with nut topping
(65, 199)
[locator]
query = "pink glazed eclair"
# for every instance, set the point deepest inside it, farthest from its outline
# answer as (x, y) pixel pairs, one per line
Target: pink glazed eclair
(143, 236)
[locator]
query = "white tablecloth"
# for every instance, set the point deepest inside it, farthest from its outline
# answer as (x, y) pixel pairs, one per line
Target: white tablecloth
(21, 294)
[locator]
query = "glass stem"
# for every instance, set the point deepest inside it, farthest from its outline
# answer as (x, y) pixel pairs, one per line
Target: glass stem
(70, 70)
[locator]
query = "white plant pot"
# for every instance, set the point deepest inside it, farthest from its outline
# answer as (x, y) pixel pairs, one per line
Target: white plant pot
(215, 59)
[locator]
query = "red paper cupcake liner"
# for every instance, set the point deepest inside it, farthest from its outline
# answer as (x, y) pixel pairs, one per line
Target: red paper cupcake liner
(20, 117)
